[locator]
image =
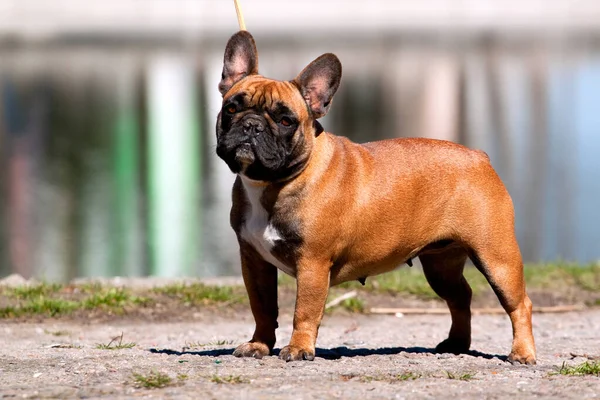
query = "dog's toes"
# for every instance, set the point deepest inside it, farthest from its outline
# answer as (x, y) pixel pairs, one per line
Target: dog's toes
(454, 346)
(252, 349)
(516, 359)
(292, 353)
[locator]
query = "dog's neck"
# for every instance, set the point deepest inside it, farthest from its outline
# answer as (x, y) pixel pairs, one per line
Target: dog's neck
(252, 184)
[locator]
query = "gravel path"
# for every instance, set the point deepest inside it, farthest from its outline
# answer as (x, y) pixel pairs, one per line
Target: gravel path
(357, 357)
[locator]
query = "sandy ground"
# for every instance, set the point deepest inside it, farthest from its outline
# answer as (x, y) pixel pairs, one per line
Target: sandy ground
(357, 357)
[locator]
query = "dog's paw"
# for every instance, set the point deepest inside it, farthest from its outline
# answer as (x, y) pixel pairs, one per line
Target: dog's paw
(527, 359)
(293, 353)
(252, 349)
(454, 346)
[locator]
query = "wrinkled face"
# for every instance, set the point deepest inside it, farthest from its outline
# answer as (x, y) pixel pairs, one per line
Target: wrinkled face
(264, 129)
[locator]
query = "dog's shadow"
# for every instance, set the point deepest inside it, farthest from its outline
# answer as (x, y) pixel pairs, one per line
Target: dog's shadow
(334, 353)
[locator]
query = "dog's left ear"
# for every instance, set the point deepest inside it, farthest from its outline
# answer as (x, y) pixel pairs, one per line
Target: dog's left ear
(240, 60)
(318, 83)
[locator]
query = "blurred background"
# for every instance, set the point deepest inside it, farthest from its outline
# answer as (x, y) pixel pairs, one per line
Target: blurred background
(107, 114)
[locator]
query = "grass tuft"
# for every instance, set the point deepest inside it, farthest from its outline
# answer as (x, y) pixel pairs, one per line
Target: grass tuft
(353, 305)
(57, 333)
(115, 299)
(33, 292)
(50, 307)
(585, 368)
(560, 274)
(116, 343)
(467, 376)
(153, 380)
(9, 312)
(231, 379)
(54, 300)
(405, 376)
(182, 377)
(199, 345)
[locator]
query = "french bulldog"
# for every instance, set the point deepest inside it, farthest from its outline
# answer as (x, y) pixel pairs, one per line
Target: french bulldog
(326, 210)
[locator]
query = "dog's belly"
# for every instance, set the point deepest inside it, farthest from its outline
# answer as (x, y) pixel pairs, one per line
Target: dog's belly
(361, 269)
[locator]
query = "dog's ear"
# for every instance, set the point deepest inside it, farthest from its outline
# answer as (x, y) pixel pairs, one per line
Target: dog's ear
(240, 60)
(318, 83)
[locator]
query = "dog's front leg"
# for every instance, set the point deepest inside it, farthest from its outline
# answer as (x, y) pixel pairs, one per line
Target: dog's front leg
(260, 279)
(312, 283)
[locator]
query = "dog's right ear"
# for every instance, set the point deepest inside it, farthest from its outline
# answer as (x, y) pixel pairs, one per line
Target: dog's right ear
(241, 60)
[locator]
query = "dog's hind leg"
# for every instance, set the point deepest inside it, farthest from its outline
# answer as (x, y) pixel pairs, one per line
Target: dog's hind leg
(503, 269)
(444, 272)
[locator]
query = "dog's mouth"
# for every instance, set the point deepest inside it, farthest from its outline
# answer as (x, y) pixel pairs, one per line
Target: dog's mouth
(237, 156)
(244, 155)
(259, 157)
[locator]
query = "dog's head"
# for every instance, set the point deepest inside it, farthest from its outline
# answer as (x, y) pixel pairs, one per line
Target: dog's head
(266, 128)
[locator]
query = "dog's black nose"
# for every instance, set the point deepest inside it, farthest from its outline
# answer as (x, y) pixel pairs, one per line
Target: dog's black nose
(253, 124)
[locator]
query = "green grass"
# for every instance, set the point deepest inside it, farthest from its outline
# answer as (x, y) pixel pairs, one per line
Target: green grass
(407, 376)
(371, 378)
(353, 304)
(404, 281)
(200, 294)
(53, 300)
(113, 299)
(34, 291)
(152, 380)
(57, 333)
(559, 275)
(585, 368)
(199, 345)
(538, 276)
(222, 342)
(230, 379)
(465, 376)
(181, 377)
(116, 343)
(412, 281)
(47, 306)
(391, 378)
(36, 299)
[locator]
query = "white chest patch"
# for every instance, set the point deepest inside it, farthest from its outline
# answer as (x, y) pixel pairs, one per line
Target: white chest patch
(258, 231)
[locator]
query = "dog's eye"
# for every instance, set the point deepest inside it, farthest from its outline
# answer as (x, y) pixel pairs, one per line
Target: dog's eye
(285, 121)
(231, 109)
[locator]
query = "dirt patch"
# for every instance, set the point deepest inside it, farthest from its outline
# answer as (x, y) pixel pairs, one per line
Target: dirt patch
(143, 342)
(358, 356)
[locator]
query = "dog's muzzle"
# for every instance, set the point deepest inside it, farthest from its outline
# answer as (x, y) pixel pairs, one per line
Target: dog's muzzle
(244, 154)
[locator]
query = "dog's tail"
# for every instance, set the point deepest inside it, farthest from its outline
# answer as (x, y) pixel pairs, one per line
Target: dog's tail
(240, 16)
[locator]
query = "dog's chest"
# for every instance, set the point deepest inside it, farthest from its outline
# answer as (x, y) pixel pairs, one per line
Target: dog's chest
(259, 231)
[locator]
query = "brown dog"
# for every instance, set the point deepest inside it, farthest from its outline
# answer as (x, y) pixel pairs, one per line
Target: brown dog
(326, 210)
